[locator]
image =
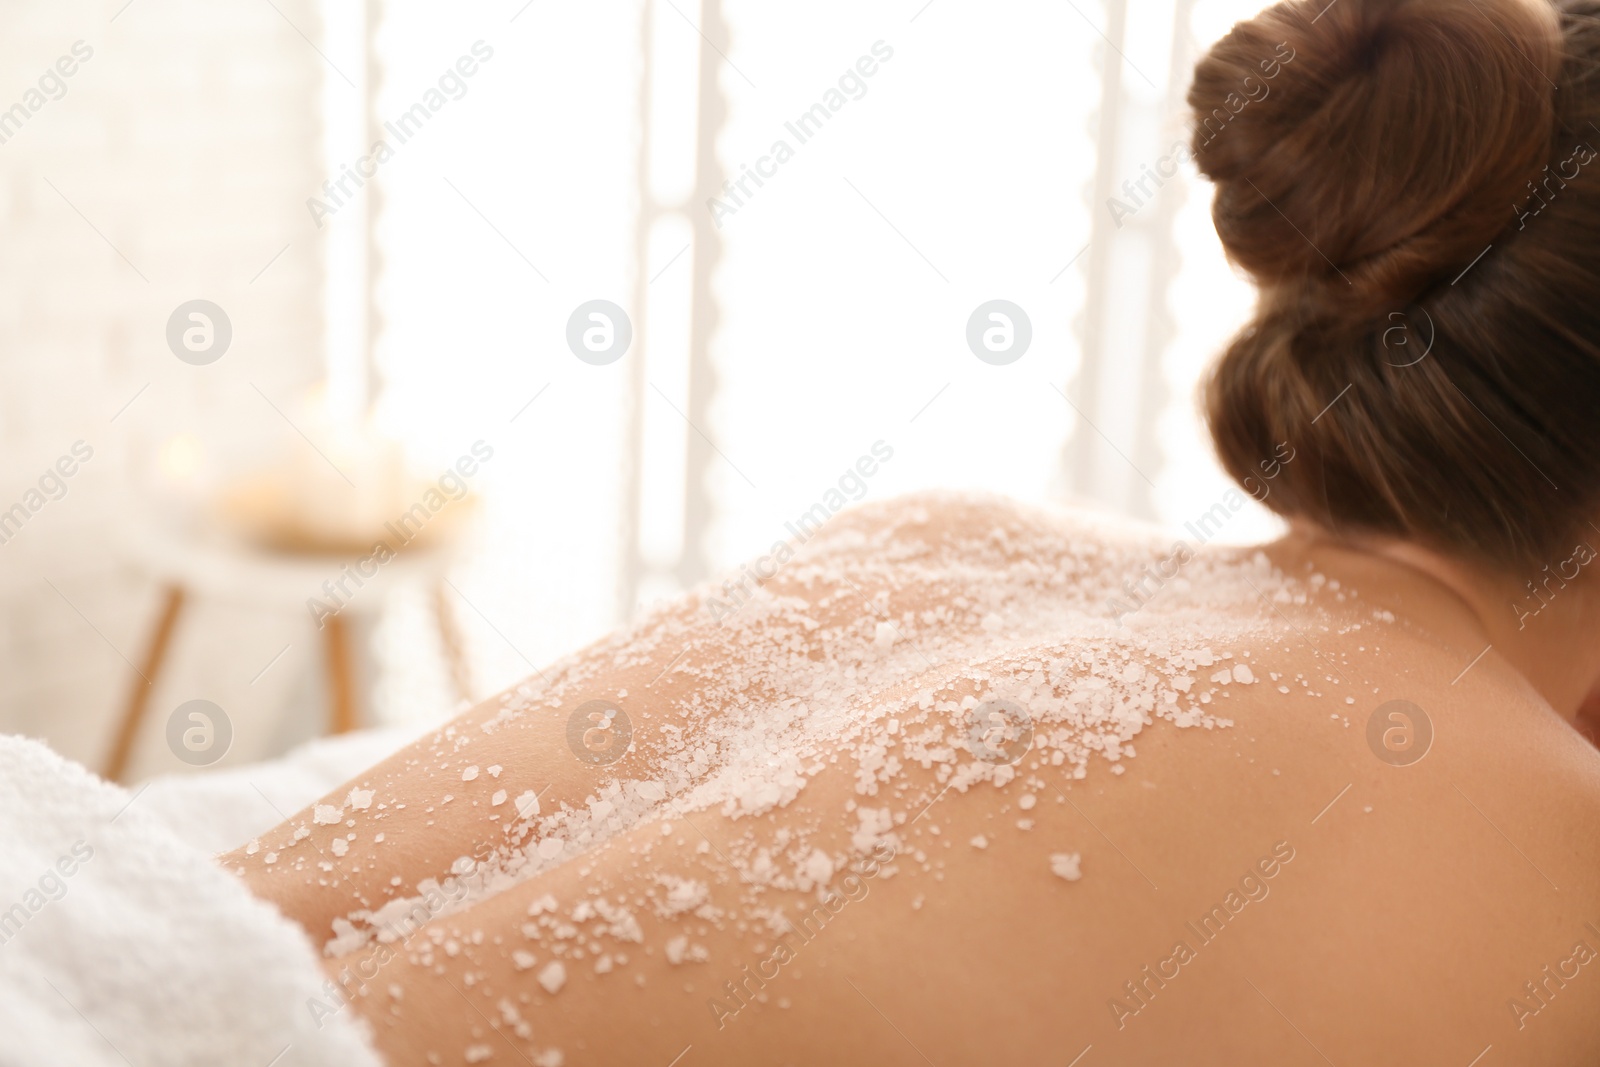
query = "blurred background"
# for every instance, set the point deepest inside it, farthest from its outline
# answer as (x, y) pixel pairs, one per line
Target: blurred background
(311, 413)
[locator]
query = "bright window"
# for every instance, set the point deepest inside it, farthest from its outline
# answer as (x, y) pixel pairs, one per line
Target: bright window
(961, 169)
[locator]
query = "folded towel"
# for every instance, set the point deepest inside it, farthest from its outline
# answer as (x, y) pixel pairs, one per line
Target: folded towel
(119, 943)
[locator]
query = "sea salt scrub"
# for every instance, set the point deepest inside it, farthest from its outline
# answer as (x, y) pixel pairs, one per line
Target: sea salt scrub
(1065, 865)
(877, 648)
(912, 653)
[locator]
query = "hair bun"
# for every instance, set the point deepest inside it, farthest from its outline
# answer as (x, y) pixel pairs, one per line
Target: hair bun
(1364, 149)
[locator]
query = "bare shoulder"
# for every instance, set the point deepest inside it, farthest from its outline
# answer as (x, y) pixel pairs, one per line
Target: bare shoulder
(1201, 808)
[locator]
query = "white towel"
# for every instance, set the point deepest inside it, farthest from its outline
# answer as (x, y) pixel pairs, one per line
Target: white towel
(121, 944)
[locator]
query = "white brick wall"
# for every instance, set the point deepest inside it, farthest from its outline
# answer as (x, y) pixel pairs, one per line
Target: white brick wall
(190, 141)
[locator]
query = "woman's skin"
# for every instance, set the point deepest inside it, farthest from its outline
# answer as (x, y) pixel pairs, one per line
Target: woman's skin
(1407, 907)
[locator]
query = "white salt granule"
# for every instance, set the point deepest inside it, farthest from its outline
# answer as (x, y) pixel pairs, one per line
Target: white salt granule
(498, 799)
(551, 847)
(359, 799)
(339, 846)
(979, 842)
(478, 1053)
(680, 950)
(553, 977)
(1027, 801)
(326, 815)
(683, 894)
(494, 771)
(527, 804)
(884, 635)
(469, 774)
(1065, 865)
(1242, 674)
(523, 960)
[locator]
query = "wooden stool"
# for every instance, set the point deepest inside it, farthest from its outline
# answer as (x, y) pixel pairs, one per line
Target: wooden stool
(191, 566)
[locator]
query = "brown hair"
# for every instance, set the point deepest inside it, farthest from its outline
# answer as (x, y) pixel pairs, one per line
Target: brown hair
(1405, 182)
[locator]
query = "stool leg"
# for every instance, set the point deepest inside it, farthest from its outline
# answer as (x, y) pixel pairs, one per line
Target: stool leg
(139, 693)
(341, 676)
(455, 650)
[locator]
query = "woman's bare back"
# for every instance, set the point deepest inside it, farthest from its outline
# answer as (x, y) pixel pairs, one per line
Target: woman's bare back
(966, 781)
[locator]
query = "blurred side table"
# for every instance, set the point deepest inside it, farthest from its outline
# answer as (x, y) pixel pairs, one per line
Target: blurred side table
(193, 564)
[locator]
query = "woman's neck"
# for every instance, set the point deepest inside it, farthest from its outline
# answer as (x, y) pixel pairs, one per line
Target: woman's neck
(1546, 626)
